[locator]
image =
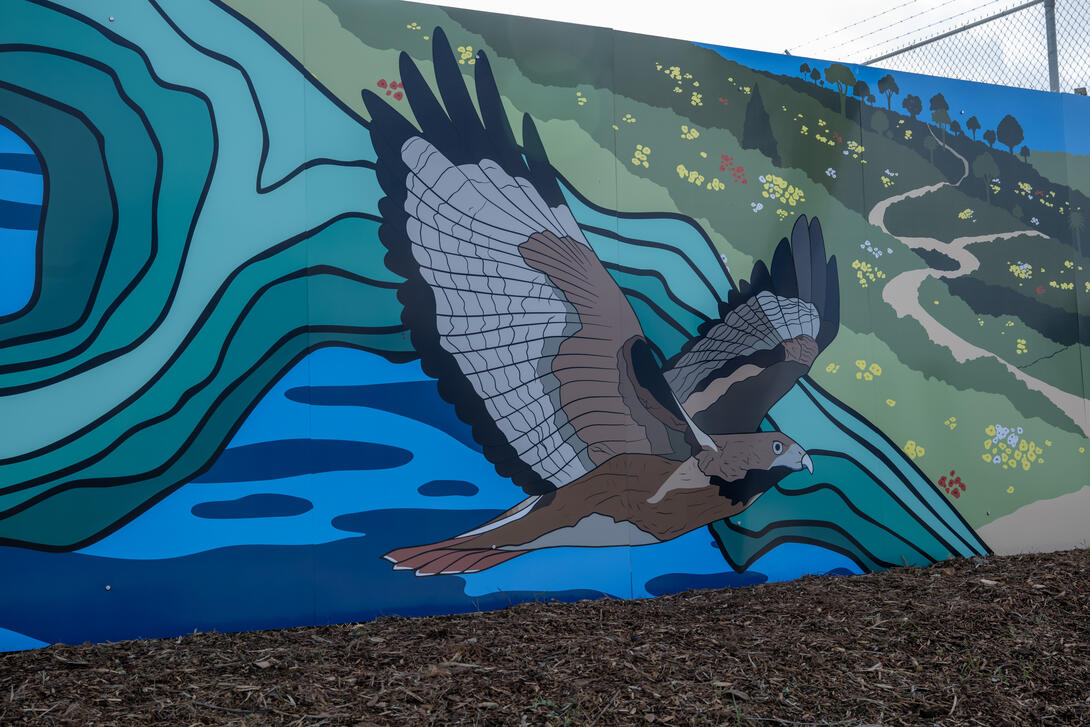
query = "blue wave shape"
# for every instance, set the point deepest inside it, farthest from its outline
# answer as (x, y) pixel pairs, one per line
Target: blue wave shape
(262, 505)
(293, 457)
(448, 488)
(677, 582)
(417, 400)
(242, 588)
(19, 215)
(15, 162)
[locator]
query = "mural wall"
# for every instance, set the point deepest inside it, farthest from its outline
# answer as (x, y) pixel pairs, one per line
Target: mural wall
(544, 312)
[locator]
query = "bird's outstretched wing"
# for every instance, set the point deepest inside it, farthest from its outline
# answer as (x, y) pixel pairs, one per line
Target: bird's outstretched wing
(509, 308)
(772, 329)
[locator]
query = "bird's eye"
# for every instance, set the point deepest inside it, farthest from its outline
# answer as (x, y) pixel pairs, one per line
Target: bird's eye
(777, 447)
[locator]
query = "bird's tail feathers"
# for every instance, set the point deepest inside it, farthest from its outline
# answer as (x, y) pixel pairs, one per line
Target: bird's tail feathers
(447, 558)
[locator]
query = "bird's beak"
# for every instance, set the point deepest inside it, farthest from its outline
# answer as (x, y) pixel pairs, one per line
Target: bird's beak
(808, 463)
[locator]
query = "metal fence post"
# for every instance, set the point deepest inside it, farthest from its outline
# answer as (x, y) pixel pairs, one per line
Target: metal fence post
(1050, 36)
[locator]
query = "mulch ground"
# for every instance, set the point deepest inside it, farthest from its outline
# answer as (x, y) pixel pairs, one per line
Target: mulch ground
(997, 641)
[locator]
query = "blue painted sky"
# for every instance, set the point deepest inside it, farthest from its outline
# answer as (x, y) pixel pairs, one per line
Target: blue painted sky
(1042, 115)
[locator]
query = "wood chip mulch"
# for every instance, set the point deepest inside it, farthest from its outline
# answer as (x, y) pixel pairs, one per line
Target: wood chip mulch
(997, 641)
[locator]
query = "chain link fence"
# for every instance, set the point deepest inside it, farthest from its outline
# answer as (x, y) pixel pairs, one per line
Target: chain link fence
(1041, 44)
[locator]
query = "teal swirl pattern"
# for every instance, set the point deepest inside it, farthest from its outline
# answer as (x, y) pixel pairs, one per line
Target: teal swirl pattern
(211, 219)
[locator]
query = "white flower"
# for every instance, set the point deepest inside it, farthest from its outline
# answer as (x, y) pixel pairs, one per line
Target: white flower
(1012, 440)
(889, 250)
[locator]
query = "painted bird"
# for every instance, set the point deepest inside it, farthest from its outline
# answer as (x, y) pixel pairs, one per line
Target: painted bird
(539, 350)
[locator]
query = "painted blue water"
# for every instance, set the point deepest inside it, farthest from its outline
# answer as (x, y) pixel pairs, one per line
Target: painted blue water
(21, 190)
(1040, 113)
(223, 541)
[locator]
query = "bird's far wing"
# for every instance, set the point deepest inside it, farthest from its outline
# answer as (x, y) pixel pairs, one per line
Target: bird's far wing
(772, 329)
(508, 306)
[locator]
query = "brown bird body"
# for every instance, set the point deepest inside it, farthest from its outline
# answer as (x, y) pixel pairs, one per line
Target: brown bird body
(631, 499)
(539, 350)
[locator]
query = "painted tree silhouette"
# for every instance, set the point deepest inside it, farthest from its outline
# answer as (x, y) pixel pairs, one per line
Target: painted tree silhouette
(757, 129)
(989, 136)
(1009, 132)
(938, 101)
(941, 119)
(931, 144)
(888, 87)
(804, 69)
(840, 75)
(1076, 222)
(955, 127)
(973, 125)
(861, 90)
(913, 105)
(815, 75)
(984, 167)
(879, 122)
(1024, 151)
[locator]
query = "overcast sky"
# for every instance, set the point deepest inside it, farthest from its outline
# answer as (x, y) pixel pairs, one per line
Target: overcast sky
(803, 26)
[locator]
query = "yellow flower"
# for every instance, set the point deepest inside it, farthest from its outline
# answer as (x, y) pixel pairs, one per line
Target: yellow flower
(890, 402)
(875, 369)
(860, 364)
(990, 430)
(1010, 490)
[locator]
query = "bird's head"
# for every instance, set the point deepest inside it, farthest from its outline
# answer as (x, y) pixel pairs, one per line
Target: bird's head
(745, 465)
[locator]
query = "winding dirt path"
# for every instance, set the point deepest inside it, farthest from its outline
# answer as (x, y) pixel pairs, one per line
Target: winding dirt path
(902, 293)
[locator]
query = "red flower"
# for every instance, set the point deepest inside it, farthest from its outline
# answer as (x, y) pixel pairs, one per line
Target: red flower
(1040, 289)
(388, 92)
(956, 494)
(942, 481)
(382, 83)
(398, 95)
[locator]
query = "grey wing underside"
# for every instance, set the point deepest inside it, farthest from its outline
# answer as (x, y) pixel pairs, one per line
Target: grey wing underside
(772, 329)
(529, 316)
(760, 324)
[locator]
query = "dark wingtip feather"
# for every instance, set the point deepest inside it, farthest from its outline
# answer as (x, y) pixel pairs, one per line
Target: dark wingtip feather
(459, 106)
(818, 273)
(497, 127)
(759, 279)
(783, 271)
(429, 113)
(800, 249)
(830, 316)
(542, 175)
